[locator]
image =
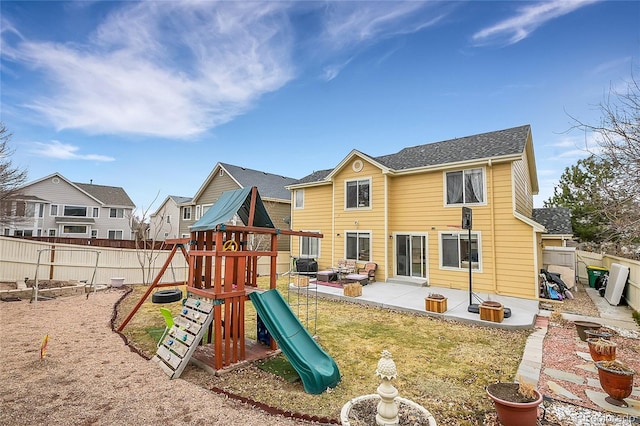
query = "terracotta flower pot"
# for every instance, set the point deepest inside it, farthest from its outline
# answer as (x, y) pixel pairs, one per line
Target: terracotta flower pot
(514, 413)
(602, 350)
(617, 381)
(581, 326)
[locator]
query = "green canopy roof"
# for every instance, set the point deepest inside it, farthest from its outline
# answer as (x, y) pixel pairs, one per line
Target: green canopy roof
(231, 203)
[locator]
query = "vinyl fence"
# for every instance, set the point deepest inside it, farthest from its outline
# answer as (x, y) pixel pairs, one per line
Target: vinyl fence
(19, 260)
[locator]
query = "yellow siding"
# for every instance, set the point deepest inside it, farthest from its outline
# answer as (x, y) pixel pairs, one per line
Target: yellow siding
(523, 191)
(315, 216)
(369, 220)
(416, 206)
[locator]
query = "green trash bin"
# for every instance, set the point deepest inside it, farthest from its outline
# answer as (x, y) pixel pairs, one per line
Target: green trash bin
(594, 272)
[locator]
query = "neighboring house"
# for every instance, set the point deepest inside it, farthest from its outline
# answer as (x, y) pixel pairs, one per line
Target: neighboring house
(165, 222)
(403, 211)
(56, 207)
(225, 177)
(557, 220)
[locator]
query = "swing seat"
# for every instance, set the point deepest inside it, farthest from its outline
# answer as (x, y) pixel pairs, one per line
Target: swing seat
(168, 319)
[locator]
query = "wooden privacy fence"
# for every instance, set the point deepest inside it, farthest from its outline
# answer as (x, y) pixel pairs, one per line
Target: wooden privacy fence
(19, 257)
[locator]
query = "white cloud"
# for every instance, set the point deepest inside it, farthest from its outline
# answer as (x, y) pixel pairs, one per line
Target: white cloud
(351, 23)
(178, 69)
(62, 151)
(142, 73)
(527, 20)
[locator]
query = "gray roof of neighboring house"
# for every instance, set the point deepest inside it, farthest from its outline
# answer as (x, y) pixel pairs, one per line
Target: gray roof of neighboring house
(557, 220)
(109, 195)
(180, 200)
(485, 145)
(269, 185)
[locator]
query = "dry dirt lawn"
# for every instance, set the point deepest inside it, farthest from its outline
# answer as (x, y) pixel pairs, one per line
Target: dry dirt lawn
(89, 376)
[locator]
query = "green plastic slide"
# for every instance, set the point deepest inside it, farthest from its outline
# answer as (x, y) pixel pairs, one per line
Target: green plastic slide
(316, 368)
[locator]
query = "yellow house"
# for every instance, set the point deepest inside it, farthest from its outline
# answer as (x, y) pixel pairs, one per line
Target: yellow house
(403, 211)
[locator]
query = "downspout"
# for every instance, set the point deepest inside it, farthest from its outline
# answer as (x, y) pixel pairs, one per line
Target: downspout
(386, 227)
(493, 229)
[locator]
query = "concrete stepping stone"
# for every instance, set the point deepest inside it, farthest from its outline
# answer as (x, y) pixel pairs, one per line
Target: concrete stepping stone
(564, 375)
(598, 398)
(594, 383)
(591, 368)
(585, 355)
(559, 390)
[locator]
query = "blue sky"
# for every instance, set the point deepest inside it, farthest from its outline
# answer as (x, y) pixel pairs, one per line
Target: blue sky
(151, 95)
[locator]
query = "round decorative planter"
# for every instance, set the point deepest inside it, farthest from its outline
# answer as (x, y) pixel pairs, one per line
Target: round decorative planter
(346, 408)
(515, 413)
(602, 349)
(618, 384)
(581, 326)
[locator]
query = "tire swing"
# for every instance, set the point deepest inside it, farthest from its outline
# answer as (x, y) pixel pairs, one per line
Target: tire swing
(167, 296)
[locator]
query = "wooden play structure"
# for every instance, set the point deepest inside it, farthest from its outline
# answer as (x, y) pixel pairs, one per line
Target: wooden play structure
(222, 274)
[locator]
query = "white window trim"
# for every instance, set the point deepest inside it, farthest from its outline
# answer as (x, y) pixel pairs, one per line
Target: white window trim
(367, 178)
(94, 231)
(295, 199)
(115, 230)
(484, 187)
(57, 209)
(198, 212)
(168, 219)
(87, 232)
(306, 256)
(186, 209)
(478, 234)
(95, 210)
(86, 212)
(359, 231)
(202, 209)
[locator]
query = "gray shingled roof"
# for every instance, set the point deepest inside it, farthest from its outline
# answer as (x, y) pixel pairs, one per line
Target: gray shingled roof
(269, 185)
(557, 220)
(485, 145)
(109, 195)
(179, 200)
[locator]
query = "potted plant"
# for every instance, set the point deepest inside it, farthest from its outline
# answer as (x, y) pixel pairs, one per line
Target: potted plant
(617, 381)
(516, 403)
(600, 332)
(582, 326)
(602, 349)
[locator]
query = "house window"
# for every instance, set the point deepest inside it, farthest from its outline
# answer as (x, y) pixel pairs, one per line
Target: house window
(40, 210)
(75, 211)
(94, 233)
(116, 213)
(310, 247)
(52, 232)
(96, 212)
(454, 250)
(358, 194)
(205, 208)
(299, 201)
(168, 218)
(186, 213)
(359, 246)
(23, 233)
(166, 234)
(465, 187)
(53, 211)
(30, 210)
(197, 212)
(74, 229)
(115, 235)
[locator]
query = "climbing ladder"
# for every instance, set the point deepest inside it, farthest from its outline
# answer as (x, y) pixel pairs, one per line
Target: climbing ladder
(181, 341)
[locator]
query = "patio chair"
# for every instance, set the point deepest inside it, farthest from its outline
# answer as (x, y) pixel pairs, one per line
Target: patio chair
(369, 269)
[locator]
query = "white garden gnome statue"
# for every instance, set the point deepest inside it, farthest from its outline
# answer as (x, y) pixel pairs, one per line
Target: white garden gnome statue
(387, 408)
